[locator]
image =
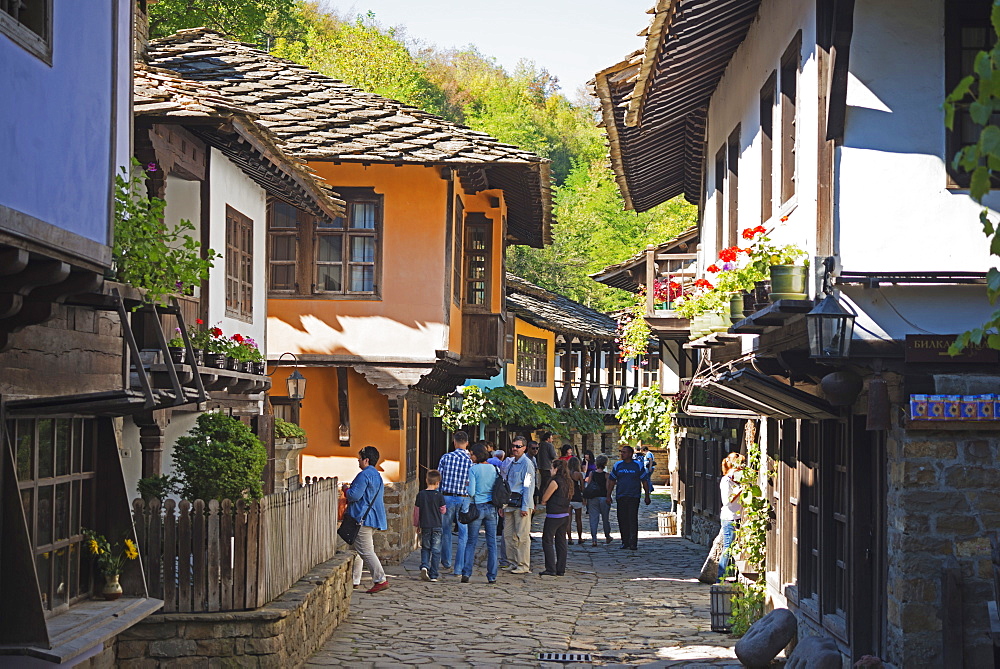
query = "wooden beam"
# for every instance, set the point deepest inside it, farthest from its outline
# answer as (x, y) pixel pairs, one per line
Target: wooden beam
(343, 405)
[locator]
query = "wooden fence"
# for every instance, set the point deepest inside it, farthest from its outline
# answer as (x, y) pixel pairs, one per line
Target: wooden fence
(233, 557)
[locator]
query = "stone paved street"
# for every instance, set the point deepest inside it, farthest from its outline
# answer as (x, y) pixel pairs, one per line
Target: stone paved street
(625, 608)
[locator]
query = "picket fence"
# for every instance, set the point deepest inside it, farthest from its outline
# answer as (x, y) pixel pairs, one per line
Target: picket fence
(222, 556)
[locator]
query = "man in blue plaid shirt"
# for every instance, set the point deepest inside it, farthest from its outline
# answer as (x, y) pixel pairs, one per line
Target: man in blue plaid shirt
(454, 467)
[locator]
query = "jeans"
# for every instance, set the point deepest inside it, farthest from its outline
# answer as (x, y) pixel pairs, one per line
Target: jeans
(430, 550)
(364, 548)
(599, 510)
(453, 505)
(554, 544)
(628, 521)
(488, 520)
(728, 534)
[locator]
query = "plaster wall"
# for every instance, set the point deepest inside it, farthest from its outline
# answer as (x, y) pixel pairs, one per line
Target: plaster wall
(737, 101)
(891, 312)
(230, 186)
(57, 135)
(544, 394)
(894, 210)
(183, 200)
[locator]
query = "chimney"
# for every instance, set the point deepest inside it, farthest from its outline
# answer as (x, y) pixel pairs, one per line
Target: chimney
(141, 31)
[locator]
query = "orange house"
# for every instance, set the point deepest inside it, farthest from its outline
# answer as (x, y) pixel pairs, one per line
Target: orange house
(400, 300)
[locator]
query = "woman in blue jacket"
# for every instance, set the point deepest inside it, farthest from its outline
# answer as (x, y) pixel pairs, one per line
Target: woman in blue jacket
(366, 502)
(482, 475)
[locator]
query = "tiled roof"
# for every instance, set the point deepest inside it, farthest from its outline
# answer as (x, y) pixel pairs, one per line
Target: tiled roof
(161, 95)
(556, 313)
(320, 118)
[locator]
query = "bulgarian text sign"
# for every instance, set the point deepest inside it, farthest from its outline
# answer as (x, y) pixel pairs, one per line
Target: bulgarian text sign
(934, 349)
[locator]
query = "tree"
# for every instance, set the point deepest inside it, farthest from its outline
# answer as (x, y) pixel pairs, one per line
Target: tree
(982, 161)
(220, 458)
(241, 20)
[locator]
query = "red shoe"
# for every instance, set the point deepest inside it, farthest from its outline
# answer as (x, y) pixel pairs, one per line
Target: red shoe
(378, 587)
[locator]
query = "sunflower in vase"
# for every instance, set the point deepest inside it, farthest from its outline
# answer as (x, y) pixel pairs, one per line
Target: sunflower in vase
(110, 560)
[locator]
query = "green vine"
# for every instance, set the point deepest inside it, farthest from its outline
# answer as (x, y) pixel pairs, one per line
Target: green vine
(149, 254)
(751, 540)
(506, 405)
(646, 418)
(633, 330)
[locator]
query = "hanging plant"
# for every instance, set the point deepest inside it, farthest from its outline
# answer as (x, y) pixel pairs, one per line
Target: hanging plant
(646, 418)
(633, 332)
(473, 409)
(750, 541)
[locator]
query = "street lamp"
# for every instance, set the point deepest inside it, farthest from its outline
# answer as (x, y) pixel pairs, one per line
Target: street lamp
(295, 383)
(830, 325)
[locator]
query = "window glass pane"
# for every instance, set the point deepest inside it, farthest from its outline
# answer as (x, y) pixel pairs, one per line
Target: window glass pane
(44, 515)
(27, 501)
(64, 433)
(81, 428)
(74, 520)
(283, 247)
(477, 238)
(362, 278)
(45, 448)
(43, 564)
(363, 215)
(25, 450)
(362, 249)
(328, 277)
(60, 591)
(330, 249)
(335, 224)
(283, 216)
(74, 570)
(88, 448)
(282, 277)
(477, 292)
(62, 512)
(477, 267)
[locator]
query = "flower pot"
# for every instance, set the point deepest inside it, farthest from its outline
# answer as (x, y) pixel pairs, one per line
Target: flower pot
(199, 357)
(245, 367)
(788, 282)
(259, 368)
(718, 322)
(177, 354)
(760, 293)
(748, 303)
(232, 364)
(736, 307)
(112, 589)
(215, 360)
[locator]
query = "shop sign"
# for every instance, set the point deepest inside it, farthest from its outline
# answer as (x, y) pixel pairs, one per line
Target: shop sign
(934, 349)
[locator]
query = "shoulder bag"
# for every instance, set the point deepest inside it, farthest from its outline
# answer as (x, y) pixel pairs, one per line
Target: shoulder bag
(349, 526)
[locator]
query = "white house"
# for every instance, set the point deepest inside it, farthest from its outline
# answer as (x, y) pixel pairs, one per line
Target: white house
(822, 121)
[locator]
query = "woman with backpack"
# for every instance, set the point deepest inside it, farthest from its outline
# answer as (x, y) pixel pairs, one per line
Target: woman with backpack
(482, 476)
(595, 491)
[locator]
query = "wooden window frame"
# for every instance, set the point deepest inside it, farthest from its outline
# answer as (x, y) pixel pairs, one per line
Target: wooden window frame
(788, 86)
(308, 233)
(767, 95)
(733, 178)
(239, 265)
(474, 221)
(80, 509)
(294, 407)
(720, 203)
(958, 16)
(35, 35)
(302, 221)
(532, 361)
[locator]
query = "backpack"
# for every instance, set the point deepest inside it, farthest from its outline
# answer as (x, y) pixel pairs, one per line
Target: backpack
(501, 491)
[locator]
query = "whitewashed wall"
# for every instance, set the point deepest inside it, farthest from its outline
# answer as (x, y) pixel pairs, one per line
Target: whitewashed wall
(230, 186)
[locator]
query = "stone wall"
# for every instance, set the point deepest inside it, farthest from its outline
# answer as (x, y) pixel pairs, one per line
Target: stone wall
(281, 634)
(942, 501)
(286, 463)
(393, 545)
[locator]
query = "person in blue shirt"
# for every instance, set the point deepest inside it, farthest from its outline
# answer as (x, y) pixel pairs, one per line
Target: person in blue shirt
(366, 502)
(630, 478)
(482, 475)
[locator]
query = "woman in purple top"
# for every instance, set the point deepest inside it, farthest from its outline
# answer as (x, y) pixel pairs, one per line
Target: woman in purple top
(556, 500)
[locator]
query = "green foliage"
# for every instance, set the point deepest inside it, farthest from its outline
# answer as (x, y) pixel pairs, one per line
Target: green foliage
(147, 253)
(633, 330)
(251, 22)
(507, 405)
(157, 486)
(646, 418)
(714, 301)
(750, 540)
(284, 429)
(979, 93)
(220, 458)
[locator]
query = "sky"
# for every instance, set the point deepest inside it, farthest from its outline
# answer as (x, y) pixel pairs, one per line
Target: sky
(572, 39)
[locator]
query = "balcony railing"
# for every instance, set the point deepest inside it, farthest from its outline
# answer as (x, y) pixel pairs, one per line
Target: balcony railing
(596, 396)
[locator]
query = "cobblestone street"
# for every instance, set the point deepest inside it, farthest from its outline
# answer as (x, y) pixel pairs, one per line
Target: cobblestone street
(624, 608)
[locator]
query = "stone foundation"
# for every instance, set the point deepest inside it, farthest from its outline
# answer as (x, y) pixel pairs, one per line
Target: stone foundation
(400, 539)
(284, 633)
(942, 501)
(286, 463)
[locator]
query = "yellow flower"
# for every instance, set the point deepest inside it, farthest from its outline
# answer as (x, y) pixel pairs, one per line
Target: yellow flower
(94, 548)
(131, 552)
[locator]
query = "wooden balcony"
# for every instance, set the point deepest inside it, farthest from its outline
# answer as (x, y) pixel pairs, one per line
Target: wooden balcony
(599, 397)
(483, 336)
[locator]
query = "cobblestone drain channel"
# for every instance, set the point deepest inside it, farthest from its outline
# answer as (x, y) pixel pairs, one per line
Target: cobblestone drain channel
(626, 608)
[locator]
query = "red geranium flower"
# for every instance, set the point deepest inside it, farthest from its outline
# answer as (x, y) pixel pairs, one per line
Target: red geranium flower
(784, 218)
(238, 337)
(714, 269)
(728, 255)
(748, 233)
(216, 332)
(703, 283)
(199, 322)
(748, 251)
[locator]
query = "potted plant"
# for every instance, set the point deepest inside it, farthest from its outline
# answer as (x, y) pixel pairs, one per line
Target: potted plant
(245, 352)
(216, 347)
(788, 278)
(176, 347)
(110, 560)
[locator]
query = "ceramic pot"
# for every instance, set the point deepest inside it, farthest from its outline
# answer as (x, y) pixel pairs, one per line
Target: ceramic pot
(112, 589)
(177, 354)
(736, 307)
(788, 282)
(718, 322)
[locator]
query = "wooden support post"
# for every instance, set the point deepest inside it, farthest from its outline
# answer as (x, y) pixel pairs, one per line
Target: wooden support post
(343, 405)
(650, 277)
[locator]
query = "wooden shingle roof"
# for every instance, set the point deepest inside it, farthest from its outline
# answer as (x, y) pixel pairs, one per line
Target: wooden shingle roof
(318, 118)
(556, 313)
(161, 96)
